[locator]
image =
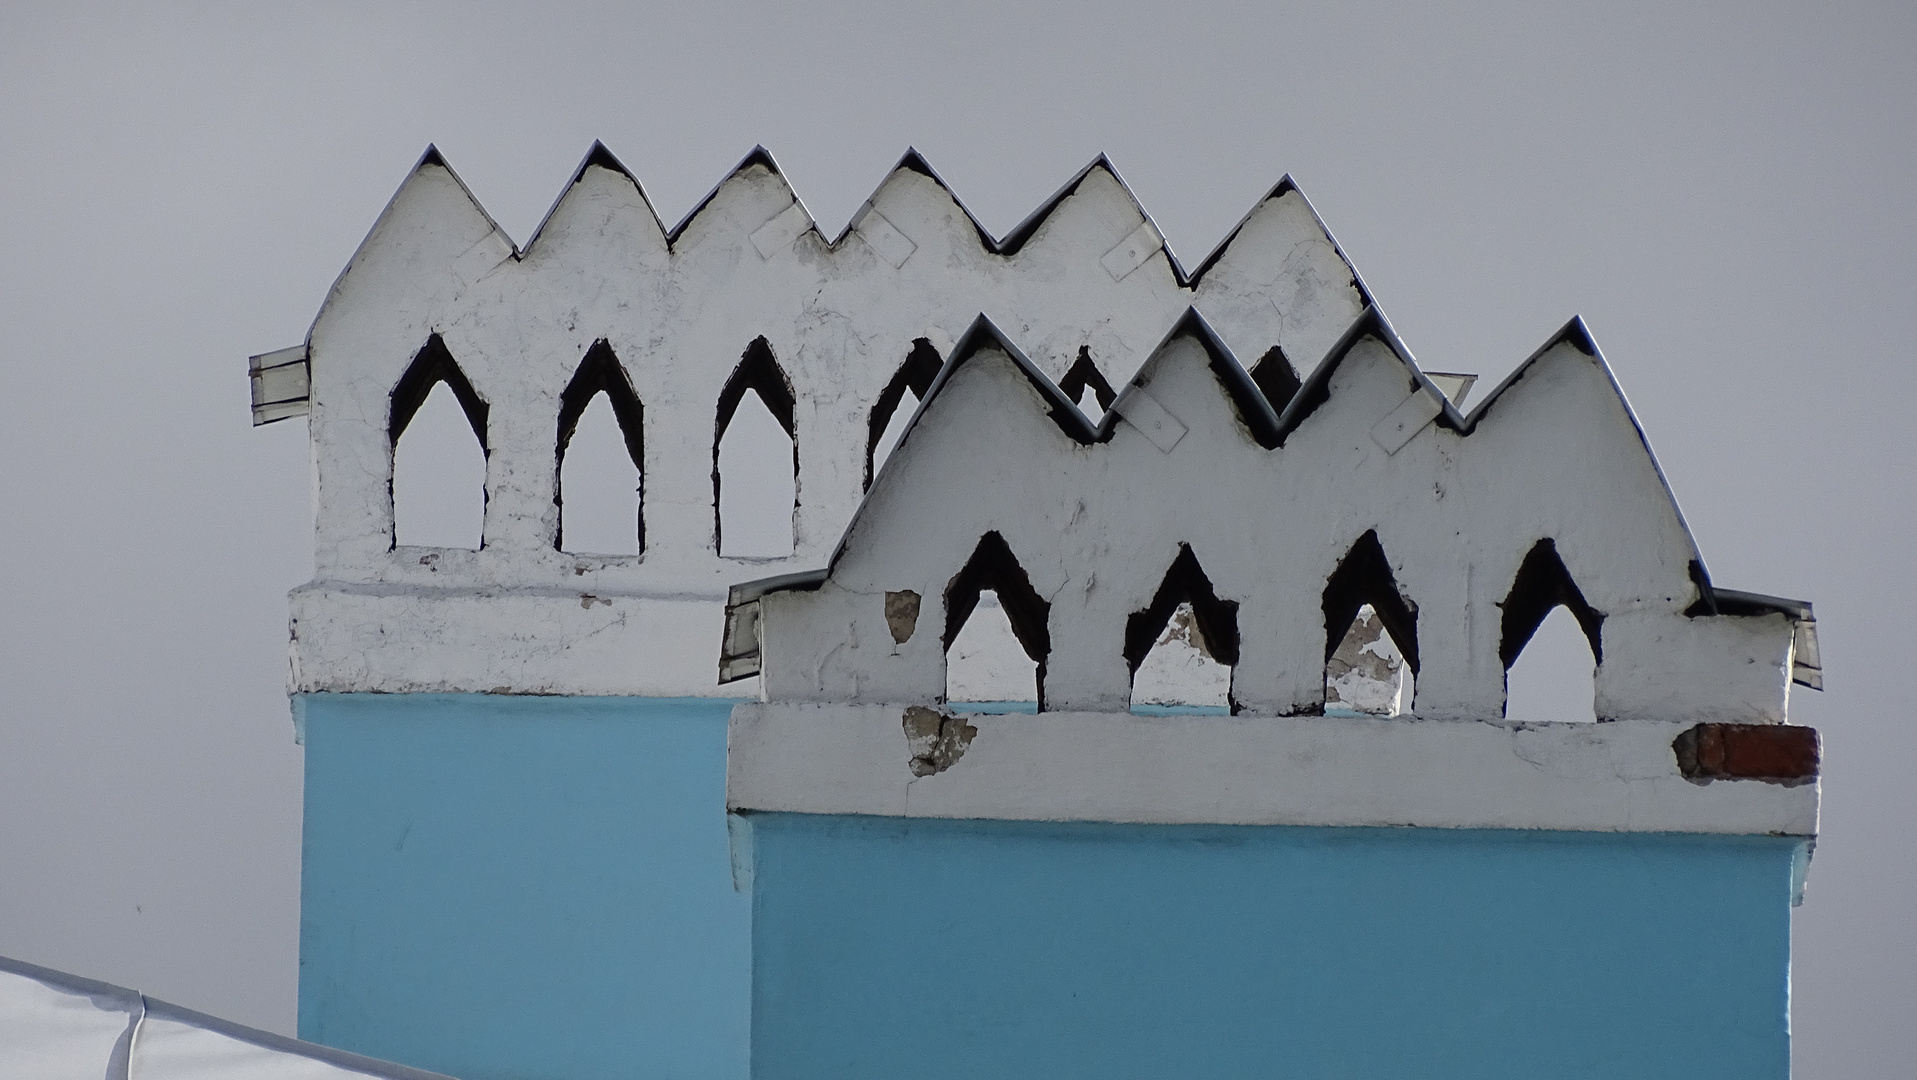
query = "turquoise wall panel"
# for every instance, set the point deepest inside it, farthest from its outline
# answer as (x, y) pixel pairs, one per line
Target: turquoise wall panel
(967, 949)
(517, 887)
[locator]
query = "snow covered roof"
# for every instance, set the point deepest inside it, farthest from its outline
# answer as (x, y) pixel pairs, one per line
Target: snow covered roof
(55, 1026)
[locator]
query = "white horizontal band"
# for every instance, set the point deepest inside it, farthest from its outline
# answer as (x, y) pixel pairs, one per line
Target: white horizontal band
(1236, 770)
(401, 640)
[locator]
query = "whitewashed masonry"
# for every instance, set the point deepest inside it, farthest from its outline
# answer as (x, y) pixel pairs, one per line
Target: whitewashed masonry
(1370, 487)
(1462, 531)
(437, 292)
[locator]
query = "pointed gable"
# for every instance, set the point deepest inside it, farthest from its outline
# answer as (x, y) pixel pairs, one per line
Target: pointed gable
(432, 239)
(751, 197)
(1248, 406)
(1369, 457)
(604, 210)
(915, 202)
(1372, 345)
(1280, 279)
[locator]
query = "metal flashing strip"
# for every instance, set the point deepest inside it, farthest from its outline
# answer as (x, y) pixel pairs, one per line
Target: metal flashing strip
(1807, 665)
(885, 238)
(1403, 423)
(739, 648)
(1131, 252)
(779, 233)
(282, 384)
(1137, 247)
(1456, 386)
(1150, 417)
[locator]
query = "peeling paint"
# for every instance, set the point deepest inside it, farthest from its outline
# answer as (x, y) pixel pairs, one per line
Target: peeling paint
(1087, 278)
(1460, 539)
(936, 741)
(1338, 771)
(1366, 674)
(902, 614)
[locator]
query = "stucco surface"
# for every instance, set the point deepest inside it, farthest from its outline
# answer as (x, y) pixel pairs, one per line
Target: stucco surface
(1272, 504)
(678, 308)
(1172, 769)
(501, 887)
(932, 949)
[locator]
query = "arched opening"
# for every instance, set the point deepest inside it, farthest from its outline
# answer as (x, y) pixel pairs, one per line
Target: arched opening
(1362, 585)
(600, 460)
(438, 484)
(755, 460)
(1086, 386)
(1276, 378)
(1181, 647)
(896, 404)
(1560, 650)
(1366, 674)
(979, 665)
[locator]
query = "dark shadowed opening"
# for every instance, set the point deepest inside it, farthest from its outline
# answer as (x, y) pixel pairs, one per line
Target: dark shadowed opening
(1364, 577)
(1084, 374)
(994, 567)
(759, 373)
(1542, 584)
(1276, 378)
(601, 373)
(437, 492)
(432, 366)
(1185, 582)
(1215, 620)
(916, 374)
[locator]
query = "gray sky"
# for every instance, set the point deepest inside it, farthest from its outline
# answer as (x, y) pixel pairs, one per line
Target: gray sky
(1723, 193)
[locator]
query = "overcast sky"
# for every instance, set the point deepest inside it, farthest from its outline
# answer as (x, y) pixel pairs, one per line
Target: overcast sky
(1724, 194)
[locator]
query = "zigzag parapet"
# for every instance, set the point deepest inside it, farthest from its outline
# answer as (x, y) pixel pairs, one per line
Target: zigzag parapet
(1085, 281)
(1370, 477)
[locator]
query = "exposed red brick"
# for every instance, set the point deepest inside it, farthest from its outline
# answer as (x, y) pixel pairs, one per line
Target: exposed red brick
(1774, 753)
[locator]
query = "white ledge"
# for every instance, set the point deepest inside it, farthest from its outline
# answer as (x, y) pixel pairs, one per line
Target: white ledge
(409, 639)
(1243, 770)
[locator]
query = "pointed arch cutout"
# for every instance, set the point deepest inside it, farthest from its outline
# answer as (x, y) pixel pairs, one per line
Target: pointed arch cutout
(435, 490)
(994, 567)
(1542, 584)
(1276, 378)
(916, 374)
(601, 373)
(759, 372)
(433, 365)
(1364, 577)
(1185, 582)
(1084, 375)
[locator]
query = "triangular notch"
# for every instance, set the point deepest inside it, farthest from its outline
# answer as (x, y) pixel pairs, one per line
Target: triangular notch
(1364, 577)
(1185, 582)
(915, 376)
(1276, 378)
(759, 373)
(1084, 375)
(432, 366)
(993, 567)
(601, 373)
(1542, 584)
